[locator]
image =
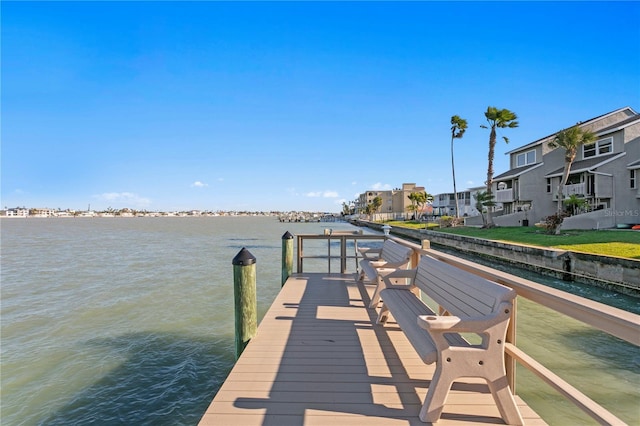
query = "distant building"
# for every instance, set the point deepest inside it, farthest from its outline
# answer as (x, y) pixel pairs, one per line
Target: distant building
(445, 205)
(17, 212)
(42, 212)
(395, 202)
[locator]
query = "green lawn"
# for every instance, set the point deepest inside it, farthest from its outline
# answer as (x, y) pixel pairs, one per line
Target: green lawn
(620, 243)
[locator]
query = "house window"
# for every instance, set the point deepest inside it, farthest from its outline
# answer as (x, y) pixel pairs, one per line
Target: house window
(633, 181)
(601, 147)
(526, 158)
(549, 185)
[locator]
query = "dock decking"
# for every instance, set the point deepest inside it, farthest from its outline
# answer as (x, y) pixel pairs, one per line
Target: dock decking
(319, 359)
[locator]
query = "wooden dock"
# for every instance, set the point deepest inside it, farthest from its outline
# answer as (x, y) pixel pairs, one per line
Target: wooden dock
(320, 359)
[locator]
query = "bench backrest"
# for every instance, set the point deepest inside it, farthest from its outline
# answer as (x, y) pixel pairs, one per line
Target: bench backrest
(395, 253)
(458, 291)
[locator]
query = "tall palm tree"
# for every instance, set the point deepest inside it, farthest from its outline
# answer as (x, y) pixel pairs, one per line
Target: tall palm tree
(501, 118)
(570, 140)
(458, 127)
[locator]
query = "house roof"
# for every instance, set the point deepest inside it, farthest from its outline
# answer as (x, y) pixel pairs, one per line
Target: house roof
(588, 164)
(513, 173)
(634, 165)
(582, 123)
(620, 125)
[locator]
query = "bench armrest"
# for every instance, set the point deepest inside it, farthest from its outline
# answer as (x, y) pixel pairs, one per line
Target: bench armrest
(453, 324)
(370, 253)
(376, 264)
(389, 274)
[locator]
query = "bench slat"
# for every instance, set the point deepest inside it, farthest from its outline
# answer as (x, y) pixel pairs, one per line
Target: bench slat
(459, 292)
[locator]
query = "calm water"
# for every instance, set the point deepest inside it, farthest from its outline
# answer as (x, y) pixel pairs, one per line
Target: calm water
(130, 321)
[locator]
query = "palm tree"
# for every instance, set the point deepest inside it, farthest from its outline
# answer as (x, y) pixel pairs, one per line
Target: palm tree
(375, 204)
(501, 118)
(413, 197)
(483, 199)
(413, 209)
(575, 203)
(458, 127)
(368, 210)
(570, 140)
(426, 199)
(345, 209)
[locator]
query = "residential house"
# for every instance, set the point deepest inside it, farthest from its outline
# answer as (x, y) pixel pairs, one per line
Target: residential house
(603, 174)
(17, 212)
(445, 204)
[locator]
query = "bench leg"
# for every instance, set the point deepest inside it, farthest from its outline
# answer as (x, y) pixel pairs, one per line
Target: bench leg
(436, 395)
(375, 299)
(441, 383)
(383, 315)
(504, 400)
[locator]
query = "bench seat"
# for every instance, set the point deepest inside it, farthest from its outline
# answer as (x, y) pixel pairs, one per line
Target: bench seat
(390, 256)
(407, 308)
(466, 303)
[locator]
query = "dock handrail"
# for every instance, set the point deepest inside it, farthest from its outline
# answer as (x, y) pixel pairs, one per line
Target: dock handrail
(616, 322)
(340, 236)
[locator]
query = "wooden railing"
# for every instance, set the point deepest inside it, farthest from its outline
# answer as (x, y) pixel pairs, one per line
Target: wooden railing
(616, 322)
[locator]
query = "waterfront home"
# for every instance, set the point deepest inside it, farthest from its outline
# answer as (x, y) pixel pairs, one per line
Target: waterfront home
(16, 212)
(604, 175)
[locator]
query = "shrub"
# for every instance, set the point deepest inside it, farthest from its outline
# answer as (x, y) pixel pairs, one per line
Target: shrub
(553, 222)
(446, 221)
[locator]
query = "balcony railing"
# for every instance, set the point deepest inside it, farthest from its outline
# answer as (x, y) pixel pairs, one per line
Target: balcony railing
(504, 195)
(574, 189)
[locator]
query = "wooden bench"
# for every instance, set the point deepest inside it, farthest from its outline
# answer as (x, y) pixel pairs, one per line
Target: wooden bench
(390, 256)
(467, 304)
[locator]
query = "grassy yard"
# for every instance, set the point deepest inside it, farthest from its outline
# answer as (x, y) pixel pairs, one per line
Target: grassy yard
(620, 243)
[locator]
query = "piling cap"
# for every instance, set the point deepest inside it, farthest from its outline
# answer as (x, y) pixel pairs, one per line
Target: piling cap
(243, 258)
(287, 236)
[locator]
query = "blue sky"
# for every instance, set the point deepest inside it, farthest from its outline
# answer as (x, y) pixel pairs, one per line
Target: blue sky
(287, 105)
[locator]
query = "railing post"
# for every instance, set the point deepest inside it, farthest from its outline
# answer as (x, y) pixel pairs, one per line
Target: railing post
(287, 256)
(300, 253)
(510, 362)
(343, 254)
(244, 291)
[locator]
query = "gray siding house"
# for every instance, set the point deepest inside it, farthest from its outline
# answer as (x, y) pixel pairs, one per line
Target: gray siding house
(604, 174)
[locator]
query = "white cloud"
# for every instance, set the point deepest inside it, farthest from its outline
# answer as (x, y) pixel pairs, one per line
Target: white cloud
(340, 201)
(323, 194)
(381, 187)
(127, 199)
(198, 184)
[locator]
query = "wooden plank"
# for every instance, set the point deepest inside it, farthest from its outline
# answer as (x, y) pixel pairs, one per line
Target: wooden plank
(318, 358)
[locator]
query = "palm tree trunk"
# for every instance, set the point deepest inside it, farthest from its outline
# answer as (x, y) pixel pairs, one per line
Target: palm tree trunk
(492, 146)
(455, 191)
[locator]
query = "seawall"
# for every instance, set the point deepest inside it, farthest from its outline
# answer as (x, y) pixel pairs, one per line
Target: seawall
(619, 274)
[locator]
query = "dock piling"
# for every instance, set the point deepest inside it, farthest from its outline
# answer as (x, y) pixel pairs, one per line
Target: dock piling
(244, 290)
(287, 256)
